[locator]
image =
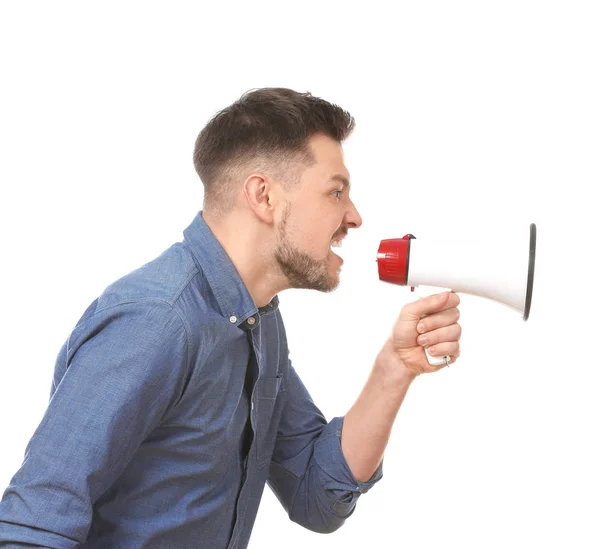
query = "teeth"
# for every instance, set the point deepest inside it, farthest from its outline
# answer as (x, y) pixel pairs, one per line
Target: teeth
(336, 244)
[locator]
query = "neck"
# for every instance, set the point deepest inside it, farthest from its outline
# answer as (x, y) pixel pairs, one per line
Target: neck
(248, 248)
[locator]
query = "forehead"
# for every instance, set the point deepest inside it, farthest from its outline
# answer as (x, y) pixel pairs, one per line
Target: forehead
(329, 157)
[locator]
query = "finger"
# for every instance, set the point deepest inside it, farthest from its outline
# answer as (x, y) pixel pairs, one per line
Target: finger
(430, 304)
(441, 335)
(449, 348)
(438, 320)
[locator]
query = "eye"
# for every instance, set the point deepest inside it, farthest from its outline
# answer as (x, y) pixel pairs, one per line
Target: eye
(341, 191)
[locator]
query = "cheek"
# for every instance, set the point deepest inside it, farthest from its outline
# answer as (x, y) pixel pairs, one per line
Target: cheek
(313, 229)
(313, 242)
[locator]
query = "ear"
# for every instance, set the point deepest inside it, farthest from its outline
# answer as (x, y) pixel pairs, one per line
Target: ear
(261, 195)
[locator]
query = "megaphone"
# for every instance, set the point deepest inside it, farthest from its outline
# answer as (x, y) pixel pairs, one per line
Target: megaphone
(501, 270)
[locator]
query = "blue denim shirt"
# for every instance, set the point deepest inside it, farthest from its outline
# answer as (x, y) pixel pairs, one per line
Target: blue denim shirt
(142, 443)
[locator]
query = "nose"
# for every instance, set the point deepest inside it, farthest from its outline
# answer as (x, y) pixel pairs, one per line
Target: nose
(353, 218)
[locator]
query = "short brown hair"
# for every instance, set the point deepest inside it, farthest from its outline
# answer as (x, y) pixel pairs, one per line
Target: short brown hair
(266, 129)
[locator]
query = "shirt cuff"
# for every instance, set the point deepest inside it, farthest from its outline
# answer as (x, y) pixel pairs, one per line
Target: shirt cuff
(341, 488)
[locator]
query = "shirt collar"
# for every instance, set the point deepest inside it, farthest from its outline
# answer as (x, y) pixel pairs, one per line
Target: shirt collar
(230, 291)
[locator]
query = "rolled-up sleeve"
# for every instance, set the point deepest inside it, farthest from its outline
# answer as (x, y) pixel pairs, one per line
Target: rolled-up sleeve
(309, 474)
(125, 366)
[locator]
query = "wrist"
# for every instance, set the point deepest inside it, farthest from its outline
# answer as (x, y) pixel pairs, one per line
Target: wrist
(390, 369)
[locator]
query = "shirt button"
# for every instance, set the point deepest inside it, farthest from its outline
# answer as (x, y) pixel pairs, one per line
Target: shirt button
(251, 320)
(233, 319)
(252, 405)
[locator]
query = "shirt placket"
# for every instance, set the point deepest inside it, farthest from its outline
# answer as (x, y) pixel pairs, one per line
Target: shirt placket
(249, 464)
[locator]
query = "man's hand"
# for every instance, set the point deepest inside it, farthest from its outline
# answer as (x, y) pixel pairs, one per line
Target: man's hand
(403, 351)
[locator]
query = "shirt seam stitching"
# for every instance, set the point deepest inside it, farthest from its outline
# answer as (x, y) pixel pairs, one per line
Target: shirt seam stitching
(172, 308)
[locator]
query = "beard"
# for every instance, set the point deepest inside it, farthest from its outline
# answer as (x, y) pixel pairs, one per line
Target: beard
(301, 270)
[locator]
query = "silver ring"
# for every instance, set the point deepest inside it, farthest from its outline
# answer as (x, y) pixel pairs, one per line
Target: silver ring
(447, 359)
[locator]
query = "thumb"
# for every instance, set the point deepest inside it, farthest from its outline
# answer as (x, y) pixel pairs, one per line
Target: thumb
(425, 306)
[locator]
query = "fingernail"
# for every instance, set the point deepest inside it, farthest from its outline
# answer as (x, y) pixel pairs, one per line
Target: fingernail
(431, 350)
(422, 340)
(420, 327)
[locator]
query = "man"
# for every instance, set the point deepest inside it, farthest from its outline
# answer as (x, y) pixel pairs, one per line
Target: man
(174, 400)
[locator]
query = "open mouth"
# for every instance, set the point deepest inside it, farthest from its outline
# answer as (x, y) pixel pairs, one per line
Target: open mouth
(336, 244)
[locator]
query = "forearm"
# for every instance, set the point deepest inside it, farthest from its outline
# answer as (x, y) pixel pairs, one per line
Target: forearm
(308, 472)
(368, 424)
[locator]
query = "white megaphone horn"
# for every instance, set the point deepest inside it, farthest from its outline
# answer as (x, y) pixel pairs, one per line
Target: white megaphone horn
(500, 270)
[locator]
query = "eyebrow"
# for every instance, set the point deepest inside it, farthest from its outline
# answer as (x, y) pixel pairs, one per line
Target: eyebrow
(341, 179)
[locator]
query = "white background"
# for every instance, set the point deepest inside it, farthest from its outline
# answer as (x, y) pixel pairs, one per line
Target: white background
(473, 118)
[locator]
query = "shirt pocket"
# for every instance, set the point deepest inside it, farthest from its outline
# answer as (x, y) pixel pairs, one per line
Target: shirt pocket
(267, 389)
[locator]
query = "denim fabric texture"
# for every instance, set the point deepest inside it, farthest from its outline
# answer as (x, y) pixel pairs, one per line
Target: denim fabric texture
(142, 445)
